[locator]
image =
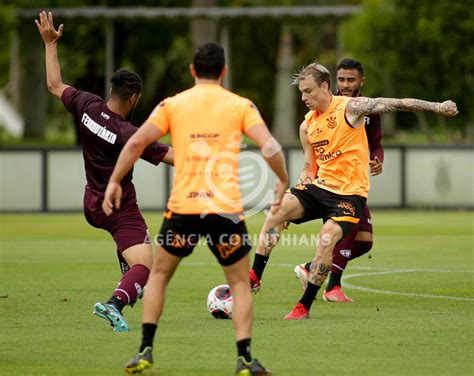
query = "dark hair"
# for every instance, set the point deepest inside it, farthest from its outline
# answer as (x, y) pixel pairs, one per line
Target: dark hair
(351, 64)
(125, 83)
(209, 60)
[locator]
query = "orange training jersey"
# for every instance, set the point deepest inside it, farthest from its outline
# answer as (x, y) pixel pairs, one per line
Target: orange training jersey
(341, 150)
(206, 124)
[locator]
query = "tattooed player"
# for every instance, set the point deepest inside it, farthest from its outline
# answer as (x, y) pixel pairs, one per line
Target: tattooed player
(334, 182)
(349, 81)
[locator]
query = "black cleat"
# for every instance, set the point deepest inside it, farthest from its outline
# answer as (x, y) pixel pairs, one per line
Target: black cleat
(140, 362)
(250, 368)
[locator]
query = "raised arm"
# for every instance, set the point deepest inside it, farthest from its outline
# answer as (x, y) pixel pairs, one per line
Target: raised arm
(310, 168)
(360, 106)
(271, 152)
(50, 38)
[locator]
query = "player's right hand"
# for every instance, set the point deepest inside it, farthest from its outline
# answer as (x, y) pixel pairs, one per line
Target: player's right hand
(112, 198)
(280, 189)
(46, 28)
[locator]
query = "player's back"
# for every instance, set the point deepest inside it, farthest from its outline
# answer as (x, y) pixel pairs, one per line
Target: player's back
(104, 134)
(206, 124)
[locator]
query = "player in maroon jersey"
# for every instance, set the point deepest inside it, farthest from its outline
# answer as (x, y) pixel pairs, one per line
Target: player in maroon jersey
(104, 132)
(350, 78)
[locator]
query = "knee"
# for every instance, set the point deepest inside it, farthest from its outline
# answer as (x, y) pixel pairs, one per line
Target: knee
(363, 246)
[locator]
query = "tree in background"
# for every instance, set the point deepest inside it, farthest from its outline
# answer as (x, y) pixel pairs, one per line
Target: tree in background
(418, 48)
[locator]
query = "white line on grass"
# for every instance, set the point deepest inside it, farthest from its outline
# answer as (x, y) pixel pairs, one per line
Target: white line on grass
(397, 271)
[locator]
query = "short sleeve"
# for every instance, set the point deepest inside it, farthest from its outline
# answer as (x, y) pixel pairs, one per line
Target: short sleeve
(251, 116)
(160, 117)
(76, 100)
(154, 153)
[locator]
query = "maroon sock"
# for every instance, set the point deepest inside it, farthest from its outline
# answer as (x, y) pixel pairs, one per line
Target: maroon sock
(131, 284)
(342, 252)
(360, 248)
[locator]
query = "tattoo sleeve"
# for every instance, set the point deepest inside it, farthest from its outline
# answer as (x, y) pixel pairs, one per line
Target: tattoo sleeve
(305, 176)
(364, 105)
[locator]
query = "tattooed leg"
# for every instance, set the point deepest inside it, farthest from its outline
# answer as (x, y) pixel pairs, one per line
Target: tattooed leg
(290, 208)
(330, 234)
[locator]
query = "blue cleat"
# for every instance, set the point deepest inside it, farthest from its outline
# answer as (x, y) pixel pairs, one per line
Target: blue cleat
(112, 314)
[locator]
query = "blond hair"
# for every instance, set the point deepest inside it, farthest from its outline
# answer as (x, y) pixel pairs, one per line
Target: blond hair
(316, 71)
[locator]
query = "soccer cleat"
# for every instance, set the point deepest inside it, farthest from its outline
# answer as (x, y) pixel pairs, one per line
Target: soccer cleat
(302, 274)
(336, 295)
(253, 368)
(254, 282)
(140, 362)
(112, 314)
(298, 313)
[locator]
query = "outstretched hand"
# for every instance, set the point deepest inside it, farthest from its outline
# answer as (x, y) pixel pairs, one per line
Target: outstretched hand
(112, 198)
(46, 28)
(448, 108)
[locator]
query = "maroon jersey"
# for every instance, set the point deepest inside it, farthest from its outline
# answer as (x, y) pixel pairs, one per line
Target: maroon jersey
(104, 133)
(374, 136)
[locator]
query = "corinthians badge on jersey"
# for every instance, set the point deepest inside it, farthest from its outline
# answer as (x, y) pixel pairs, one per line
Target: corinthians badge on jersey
(331, 122)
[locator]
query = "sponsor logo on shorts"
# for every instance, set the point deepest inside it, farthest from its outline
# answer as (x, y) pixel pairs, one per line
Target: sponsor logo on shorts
(346, 253)
(347, 208)
(234, 243)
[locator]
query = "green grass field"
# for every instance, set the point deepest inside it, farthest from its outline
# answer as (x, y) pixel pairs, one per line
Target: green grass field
(413, 311)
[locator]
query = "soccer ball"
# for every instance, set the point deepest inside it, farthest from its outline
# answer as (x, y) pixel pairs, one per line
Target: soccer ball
(219, 302)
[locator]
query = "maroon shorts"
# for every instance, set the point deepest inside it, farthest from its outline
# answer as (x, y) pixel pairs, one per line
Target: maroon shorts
(365, 223)
(126, 225)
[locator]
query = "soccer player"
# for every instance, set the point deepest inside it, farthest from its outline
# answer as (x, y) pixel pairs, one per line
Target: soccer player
(206, 123)
(349, 80)
(104, 132)
(334, 182)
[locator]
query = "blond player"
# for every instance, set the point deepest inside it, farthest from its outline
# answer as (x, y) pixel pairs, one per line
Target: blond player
(334, 182)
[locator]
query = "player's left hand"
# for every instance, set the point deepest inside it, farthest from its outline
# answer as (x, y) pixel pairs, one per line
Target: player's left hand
(376, 166)
(112, 198)
(448, 108)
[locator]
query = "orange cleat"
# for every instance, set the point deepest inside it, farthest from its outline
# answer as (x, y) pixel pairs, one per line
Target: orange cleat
(298, 313)
(336, 295)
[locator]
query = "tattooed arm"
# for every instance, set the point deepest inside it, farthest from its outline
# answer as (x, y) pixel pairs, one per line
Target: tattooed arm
(357, 107)
(310, 167)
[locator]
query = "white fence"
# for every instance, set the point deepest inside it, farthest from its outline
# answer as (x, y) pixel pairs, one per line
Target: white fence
(47, 180)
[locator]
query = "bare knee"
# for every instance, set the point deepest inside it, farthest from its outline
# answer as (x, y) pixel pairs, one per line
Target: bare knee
(139, 254)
